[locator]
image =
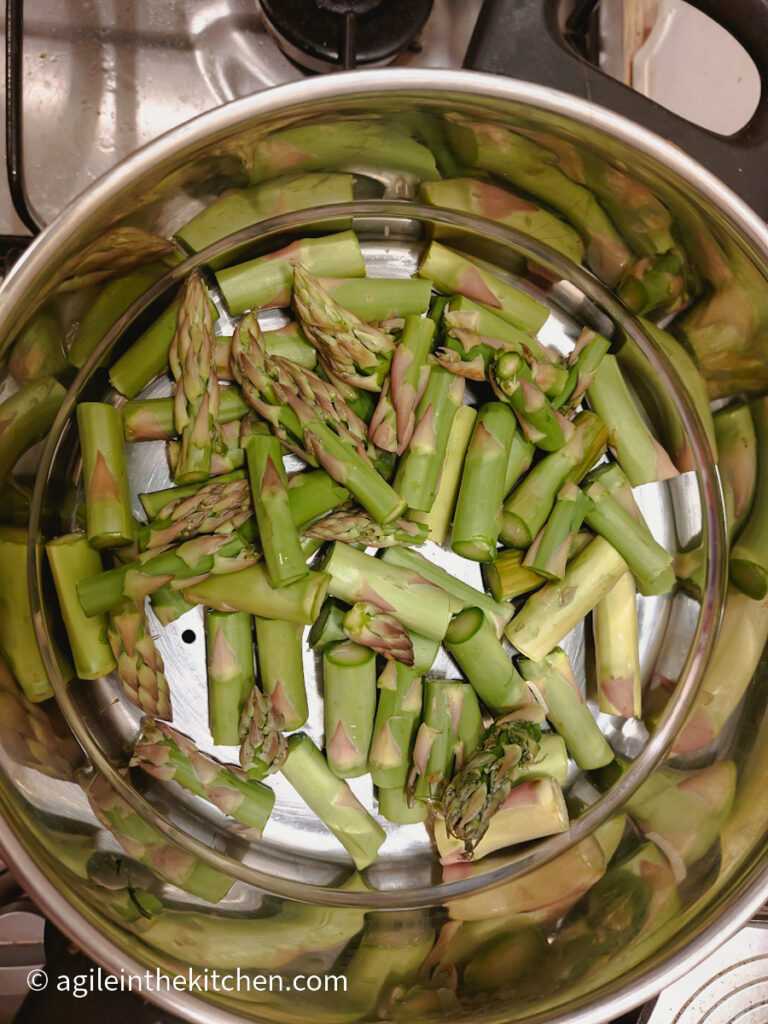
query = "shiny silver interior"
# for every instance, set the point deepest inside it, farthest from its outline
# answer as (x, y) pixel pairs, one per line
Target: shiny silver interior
(50, 832)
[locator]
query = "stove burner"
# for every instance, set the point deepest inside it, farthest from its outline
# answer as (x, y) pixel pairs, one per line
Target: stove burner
(328, 35)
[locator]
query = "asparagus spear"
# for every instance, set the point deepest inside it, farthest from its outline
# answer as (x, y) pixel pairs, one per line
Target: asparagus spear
(231, 677)
(450, 272)
(418, 472)
(25, 417)
(249, 590)
(639, 453)
(139, 663)
(394, 806)
(566, 709)
(72, 559)
(288, 341)
(450, 732)
(477, 519)
(527, 509)
(651, 565)
(748, 564)
(402, 591)
(394, 731)
(227, 453)
(264, 748)
(584, 360)
(465, 596)
(438, 519)
(472, 641)
(548, 555)
(349, 350)
(105, 476)
(167, 755)
(507, 577)
(277, 531)
(408, 379)
(349, 686)
(281, 671)
(190, 561)
(332, 801)
(617, 654)
(552, 612)
(353, 526)
(463, 314)
(152, 419)
(484, 782)
(514, 382)
(268, 280)
(369, 626)
(196, 404)
(220, 506)
(736, 462)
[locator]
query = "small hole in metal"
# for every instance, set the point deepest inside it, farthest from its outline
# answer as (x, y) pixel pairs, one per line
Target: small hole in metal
(188, 636)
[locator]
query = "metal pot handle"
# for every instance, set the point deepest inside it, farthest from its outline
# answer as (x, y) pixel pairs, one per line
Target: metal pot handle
(524, 39)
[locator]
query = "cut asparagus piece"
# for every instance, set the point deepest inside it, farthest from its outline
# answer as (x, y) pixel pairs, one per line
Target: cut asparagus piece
(507, 577)
(139, 663)
(451, 273)
(249, 590)
(264, 748)
(400, 590)
(639, 453)
(394, 806)
(472, 641)
(465, 596)
(450, 732)
(617, 652)
(109, 519)
(227, 455)
(477, 519)
(288, 341)
(418, 472)
(167, 755)
(541, 424)
(281, 669)
(462, 313)
(328, 627)
(152, 419)
(38, 350)
(548, 555)
(566, 709)
(72, 559)
(168, 604)
(484, 782)
(268, 280)
(584, 360)
(349, 687)
(551, 613)
(748, 564)
(369, 626)
(438, 519)
(277, 531)
(651, 565)
(332, 801)
(231, 676)
(220, 506)
(353, 526)
(527, 508)
(736, 462)
(378, 299)
(394, 731)
(534, 808)
(408, 379)
(25, 417)
(518, 462)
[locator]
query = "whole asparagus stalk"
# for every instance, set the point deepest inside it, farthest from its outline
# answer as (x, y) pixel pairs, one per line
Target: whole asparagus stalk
(25, 417)
(249, 590)
(277, 531)
(394, 806)
(167, 755)
(408, 378)
(513, 382)
(105, 476)
(418, 472)
(268, 280)
(548, 555)
(551, 613)
(748, 564)
(264, 748)
(413, 599)
(450, 732)
(527, 508)
(369, 626)
(72, 558)
(639, 453)
(651, 565)
(438, 519)
(484, 782)
(349, 686)
(477, 519)
(139, 663)
(566, 710)
(348, 349)
(353, 526)
(220, 506)
(332, 801)
(231, 676)
(196, 404)
(584, 360)
(472, 641)
(617, 654)
(191, 561)
(394, 730)
(450, 272)
(152, 419)
(281, 669)
(465, 596)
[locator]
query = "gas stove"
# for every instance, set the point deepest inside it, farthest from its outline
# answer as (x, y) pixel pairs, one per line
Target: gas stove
(99, 79)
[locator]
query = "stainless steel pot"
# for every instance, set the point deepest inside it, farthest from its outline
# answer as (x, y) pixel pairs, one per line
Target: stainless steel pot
(640, 927)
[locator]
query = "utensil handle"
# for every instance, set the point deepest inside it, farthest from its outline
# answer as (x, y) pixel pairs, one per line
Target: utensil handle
(524, 39)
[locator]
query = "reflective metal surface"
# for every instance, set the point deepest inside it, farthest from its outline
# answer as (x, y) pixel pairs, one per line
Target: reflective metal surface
(613, 933)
